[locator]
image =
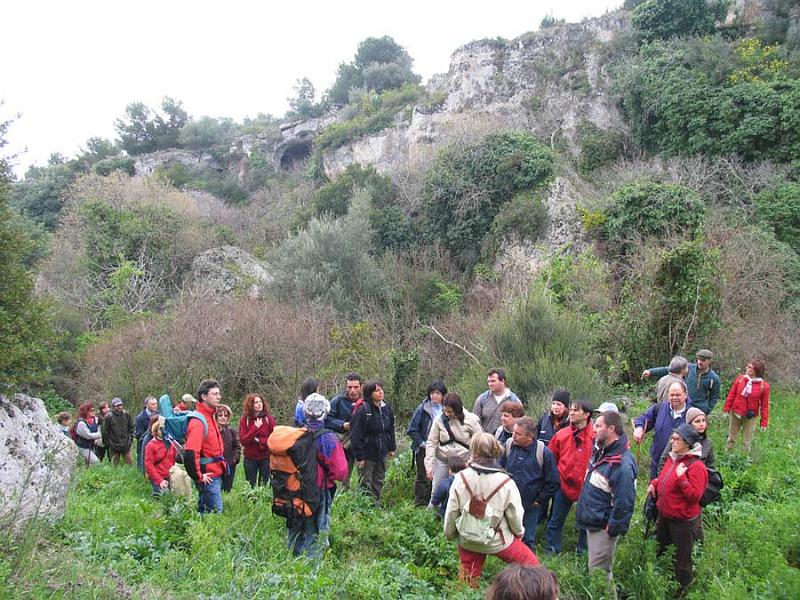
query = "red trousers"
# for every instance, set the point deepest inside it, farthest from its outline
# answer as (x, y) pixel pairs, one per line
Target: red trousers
(472, 562)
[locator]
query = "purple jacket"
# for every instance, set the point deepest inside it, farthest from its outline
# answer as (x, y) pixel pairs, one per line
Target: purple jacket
(659, 417)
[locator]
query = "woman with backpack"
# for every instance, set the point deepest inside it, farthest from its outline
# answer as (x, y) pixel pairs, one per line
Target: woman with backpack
(747, 399)
(484, 512)
(159, 457)
(450, 435)
(697, 419)
(86, 432)
(232, 448)
(372, 438)
(678, 490)
(255, 427)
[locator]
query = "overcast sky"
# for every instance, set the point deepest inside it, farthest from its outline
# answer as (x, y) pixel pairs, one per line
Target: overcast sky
(70, 68)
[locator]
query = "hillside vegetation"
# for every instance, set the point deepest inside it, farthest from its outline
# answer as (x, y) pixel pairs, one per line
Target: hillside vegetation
(686, 213)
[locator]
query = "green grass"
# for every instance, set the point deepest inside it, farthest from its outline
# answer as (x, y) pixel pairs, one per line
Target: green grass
(116, 541)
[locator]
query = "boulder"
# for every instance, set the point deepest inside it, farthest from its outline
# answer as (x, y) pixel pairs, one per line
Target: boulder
(229, 270)
(36, 462)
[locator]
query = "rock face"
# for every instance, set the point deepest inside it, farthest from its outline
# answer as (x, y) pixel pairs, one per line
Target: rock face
(36, 462)
(229, 270)
(546, 82)
(147, 164)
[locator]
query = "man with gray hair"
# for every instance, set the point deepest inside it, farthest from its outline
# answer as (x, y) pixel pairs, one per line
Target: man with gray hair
(677, 371)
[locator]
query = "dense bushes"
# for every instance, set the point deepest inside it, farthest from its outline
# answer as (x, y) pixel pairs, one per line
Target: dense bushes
(662, 19)
(706, 96)
(779, 209)
(467, 185)
(330, 262)
(124, 246)
(648, 209)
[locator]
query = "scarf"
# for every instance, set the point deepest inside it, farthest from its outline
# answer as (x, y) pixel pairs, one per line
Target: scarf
(748, 389)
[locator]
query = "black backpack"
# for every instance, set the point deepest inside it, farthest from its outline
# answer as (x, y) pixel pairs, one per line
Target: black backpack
(713, 488)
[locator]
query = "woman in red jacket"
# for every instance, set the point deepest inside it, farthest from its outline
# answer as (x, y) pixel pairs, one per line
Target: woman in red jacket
(158, 458)
(677, 491)
(255, 427)
(747, 398)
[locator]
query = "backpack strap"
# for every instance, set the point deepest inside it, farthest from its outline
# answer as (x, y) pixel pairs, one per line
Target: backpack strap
(452, 439)
(491, 494)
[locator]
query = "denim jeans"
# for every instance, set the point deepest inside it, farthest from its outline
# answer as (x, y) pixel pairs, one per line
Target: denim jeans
(210, 498)
(309, 535)
(529, 521)
(555, 527)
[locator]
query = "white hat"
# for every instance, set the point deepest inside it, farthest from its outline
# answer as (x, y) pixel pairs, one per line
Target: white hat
(608, 407)
(316, 407)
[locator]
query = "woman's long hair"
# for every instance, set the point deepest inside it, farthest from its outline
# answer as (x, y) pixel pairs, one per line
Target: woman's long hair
(83, 410)
(249, 411)
(453, 400)
(308, 387)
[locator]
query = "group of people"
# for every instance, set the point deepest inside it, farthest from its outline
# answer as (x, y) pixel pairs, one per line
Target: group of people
(493, 474)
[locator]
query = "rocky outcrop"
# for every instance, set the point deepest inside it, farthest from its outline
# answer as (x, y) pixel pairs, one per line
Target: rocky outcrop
(518, 261)
(147, 164)
(36, 462)
(547, 82)
(229, 270)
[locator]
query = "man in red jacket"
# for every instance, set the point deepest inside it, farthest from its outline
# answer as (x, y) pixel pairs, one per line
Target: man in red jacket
(572, 448)
(203, 456)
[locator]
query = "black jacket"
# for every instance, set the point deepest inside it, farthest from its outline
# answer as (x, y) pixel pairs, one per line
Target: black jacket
(117, 430)
(372, 432)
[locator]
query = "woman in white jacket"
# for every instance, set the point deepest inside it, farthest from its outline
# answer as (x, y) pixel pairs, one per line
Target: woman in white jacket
(484, 512)
(450, 435)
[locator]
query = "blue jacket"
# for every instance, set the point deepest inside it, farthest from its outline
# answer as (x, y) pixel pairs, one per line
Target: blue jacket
(703, 392)
(608, 495)
(535, 483)
(372, 433)
(547, 428)
(659, 417)
(420, 425)
(142, 425)
(341, 413)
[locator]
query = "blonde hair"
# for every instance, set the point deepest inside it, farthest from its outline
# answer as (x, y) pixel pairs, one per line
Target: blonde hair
(157, 427)
(485, 445)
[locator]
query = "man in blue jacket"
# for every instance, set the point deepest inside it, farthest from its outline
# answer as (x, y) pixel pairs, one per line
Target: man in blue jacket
(338, 420)
(701, 380)
(606, 504)
(664, 417)
(533, 468)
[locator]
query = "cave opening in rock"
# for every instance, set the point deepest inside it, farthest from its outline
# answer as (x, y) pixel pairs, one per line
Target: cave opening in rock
(295, 155)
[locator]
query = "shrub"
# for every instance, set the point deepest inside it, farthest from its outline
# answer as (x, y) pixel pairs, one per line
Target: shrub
(779, 209)
(123, 164)
(206, 132)
(466, 187)
(330, 261)
(599, 147)
(541, 348)
(642, 210)
(333, 199)
(662, 19)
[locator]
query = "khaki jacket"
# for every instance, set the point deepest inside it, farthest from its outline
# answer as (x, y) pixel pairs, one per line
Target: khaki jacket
(437, 445)
(482, 480)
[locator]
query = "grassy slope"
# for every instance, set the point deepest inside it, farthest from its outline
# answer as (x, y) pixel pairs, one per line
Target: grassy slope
(117, 542)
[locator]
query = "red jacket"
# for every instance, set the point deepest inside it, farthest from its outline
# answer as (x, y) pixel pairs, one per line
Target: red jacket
(757, 401)
(254, 439)
(572, 450)
(679, 497)
(208, 447)
(158, 459)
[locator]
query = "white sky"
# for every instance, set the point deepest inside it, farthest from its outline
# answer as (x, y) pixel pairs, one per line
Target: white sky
(70, 68)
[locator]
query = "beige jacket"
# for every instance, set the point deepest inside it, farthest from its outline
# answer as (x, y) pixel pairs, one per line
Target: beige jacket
(507, 502)
(437, 445)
